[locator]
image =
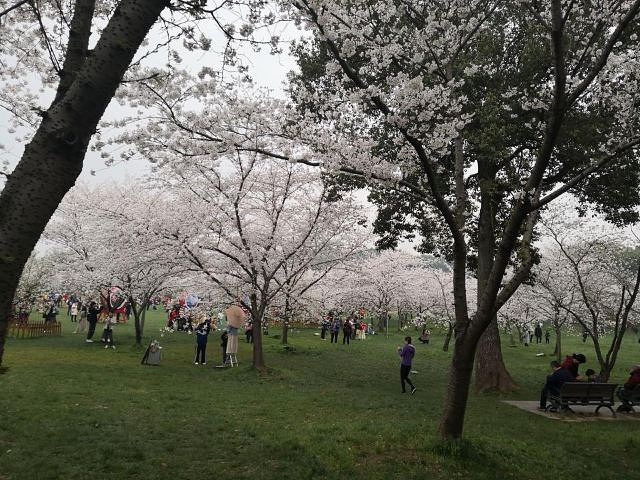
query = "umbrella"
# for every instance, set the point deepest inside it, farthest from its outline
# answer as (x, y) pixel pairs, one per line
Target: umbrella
(235, 316)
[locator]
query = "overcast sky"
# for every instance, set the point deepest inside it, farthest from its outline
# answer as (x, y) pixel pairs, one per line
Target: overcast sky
(267, 70)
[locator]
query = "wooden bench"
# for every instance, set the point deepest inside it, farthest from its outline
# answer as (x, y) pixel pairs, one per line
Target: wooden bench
(629, 399)
(583, 393)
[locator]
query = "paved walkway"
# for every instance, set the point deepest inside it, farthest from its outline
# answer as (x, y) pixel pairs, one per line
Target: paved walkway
(581, 414)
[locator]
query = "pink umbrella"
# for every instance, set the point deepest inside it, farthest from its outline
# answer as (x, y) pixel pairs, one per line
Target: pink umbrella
(235, 316)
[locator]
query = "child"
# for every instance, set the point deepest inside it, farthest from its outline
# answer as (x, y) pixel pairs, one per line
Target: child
(202, 335)
(223, 343)
(107, 334)
(591, 376)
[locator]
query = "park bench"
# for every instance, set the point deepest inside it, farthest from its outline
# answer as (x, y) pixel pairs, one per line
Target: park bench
(629, 400)
(583, 393)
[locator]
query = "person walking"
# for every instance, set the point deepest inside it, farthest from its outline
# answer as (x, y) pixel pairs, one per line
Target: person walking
(346, 331)
(547, 336)
(92, 318)
(406, 353)
(335, 329)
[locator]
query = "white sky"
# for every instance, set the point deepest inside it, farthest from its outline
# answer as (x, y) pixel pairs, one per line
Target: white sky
(268, 71)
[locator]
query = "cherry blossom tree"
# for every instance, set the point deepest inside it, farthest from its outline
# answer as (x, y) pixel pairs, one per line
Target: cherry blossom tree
(382, 281)
(520, 313)
(605, 274)
(554, 294)
(256, 229)
(36, 280)
(438, 100)
(104, 240)
(77, 77)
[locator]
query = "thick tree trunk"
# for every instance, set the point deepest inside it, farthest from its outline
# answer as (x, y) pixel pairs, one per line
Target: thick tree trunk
(285, 332)
(382, 322)
(447, 338)
(491, 373)
(52, 161)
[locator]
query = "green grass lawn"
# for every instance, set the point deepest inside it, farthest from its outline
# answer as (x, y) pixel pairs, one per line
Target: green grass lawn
(71, 410)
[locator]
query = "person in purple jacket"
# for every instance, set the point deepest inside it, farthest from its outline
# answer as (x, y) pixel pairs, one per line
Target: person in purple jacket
(406, 353)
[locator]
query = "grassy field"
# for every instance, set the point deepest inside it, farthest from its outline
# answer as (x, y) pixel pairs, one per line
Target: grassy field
(71, 410)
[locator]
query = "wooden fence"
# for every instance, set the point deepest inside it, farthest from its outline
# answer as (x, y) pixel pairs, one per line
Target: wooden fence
(33, 330)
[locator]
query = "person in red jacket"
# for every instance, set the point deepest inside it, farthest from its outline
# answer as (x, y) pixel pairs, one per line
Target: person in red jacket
(630, 385)
(173, 317)
(572, 363)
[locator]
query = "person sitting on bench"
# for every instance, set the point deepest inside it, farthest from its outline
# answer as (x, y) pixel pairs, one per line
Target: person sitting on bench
(630, 385)
(554, 381)
(572, 363)
(592, 377)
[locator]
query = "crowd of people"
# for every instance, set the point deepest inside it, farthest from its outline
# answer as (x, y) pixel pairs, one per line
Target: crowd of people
(353, 327)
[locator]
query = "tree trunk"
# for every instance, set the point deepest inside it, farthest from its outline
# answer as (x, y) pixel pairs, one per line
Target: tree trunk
(257, 313)
(558, 350)
(491, 373)
(285, 322)
(138, 319)
(605, 373)
(447, 338)
(258, 355)
(53, 159)
(457, 393)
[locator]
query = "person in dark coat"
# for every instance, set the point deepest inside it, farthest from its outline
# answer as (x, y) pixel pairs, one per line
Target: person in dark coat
(50, 315)
(346, 331)
(202, 335)
(538, 333)
(326, 323)
(559, 377)
(335, 329)
(92, 319)
(224, 338)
